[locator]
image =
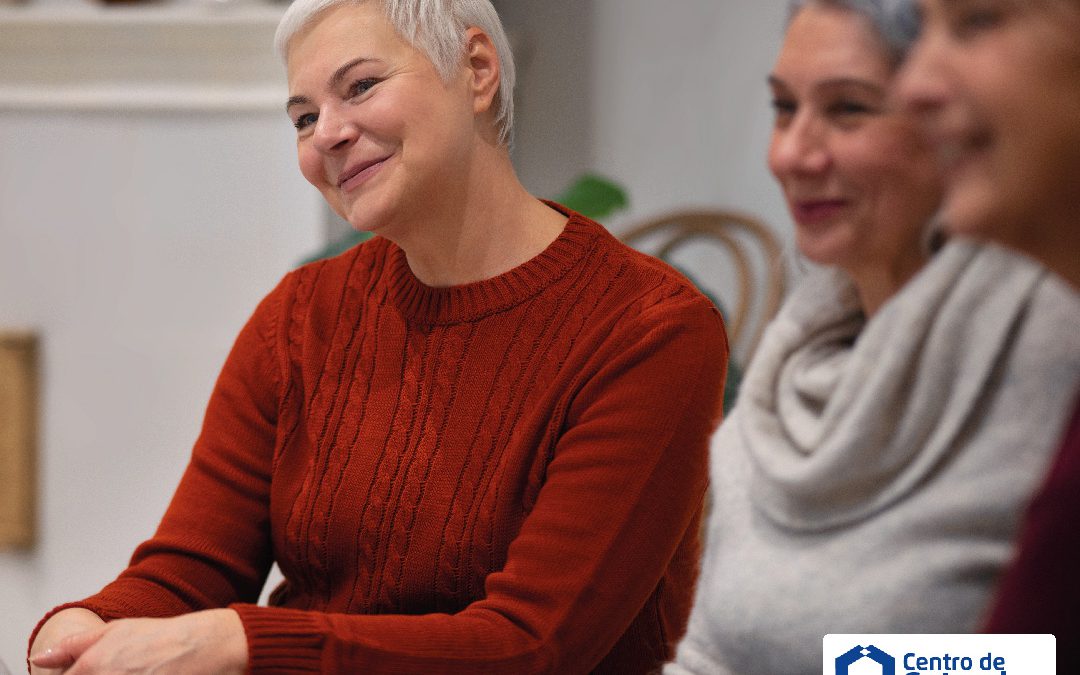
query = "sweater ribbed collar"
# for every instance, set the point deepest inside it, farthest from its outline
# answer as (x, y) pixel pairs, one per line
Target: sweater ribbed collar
(470, 302)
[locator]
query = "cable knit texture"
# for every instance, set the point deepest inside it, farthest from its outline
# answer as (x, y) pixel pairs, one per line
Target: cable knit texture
(872, 474)
(501, 477)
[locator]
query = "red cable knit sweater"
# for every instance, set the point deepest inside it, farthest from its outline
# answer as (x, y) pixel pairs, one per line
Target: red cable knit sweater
(502, 477)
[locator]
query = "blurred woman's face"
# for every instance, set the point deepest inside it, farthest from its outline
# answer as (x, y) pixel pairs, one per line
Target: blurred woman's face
(378, 132)
(860, 183)
(997, 85)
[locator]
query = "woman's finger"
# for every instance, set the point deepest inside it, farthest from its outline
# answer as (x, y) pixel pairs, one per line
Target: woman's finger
(64, 653)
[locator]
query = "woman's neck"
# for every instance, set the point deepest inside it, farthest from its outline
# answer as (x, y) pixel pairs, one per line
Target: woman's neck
(1055, 244)
(487, 227)
(1065, 262)
(875, 285)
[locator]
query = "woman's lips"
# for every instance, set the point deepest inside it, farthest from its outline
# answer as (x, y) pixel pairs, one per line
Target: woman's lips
(359, 173)
(815, 211)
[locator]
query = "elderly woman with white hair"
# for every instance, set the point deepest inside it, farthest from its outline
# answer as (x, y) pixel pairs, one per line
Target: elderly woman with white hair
(474, 444)
(902, 406)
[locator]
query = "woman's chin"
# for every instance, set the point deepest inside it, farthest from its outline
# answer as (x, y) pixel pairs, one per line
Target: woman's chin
(971, 213)
(363, 217)
(822, 248)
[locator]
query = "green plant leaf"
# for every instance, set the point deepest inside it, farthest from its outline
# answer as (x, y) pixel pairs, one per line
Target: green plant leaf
(338, 246)
(594, 196)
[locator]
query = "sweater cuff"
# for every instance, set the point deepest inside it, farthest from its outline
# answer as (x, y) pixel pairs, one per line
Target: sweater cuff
(282, 640)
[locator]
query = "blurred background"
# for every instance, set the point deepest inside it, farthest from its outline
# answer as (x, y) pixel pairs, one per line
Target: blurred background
(149, 197)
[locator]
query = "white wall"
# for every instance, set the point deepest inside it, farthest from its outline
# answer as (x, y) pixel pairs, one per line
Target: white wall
(553, 44)
(666, 98)
(137, 246)
(680, 114)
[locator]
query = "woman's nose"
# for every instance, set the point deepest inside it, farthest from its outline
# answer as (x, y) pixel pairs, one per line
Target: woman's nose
(799, 148)
(334, 131)
(920, 86)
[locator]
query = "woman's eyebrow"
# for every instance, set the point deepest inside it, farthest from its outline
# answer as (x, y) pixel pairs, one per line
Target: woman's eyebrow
(334, 80)
(341, 72)
(832, 83)
(837, 82)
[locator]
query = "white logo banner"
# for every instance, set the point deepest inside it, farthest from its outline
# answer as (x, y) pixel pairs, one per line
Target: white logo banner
(939, 654)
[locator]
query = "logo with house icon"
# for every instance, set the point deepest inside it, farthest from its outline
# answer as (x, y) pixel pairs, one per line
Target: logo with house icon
(866, 660)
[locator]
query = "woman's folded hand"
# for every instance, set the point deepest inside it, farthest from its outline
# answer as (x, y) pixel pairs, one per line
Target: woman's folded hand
(201, 642)
(61, 625)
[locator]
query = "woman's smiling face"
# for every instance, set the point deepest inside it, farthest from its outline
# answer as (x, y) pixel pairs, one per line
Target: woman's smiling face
(859, 182)
(996, 84)
(379, 133)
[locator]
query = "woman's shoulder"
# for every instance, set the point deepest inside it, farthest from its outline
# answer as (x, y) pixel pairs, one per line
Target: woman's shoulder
(642, 281)
(1045, 336)
(307, 301)
(1051, 306)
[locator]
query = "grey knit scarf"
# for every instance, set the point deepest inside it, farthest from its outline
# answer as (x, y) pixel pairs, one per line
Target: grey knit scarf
(843, 418)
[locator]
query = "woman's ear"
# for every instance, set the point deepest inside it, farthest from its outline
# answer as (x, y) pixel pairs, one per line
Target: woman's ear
(482, 65)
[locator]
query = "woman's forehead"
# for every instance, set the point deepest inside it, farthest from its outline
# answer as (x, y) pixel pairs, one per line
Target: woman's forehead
(828, 43)
(345, 27)
(344, 34)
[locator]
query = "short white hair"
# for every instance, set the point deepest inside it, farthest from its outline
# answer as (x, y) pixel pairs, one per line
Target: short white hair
(435, 27)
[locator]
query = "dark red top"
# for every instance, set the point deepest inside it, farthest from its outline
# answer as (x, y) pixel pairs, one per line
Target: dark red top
(502, 477)
(1040, 592)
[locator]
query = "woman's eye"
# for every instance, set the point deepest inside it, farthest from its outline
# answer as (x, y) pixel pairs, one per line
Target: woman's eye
(977, 20)
(971, 18)
(361, 87)
(780, 105)
(849, 109)
(783, 109)
(304, 121)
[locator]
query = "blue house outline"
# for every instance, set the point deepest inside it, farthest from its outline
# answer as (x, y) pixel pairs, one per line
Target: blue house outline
(844, 661)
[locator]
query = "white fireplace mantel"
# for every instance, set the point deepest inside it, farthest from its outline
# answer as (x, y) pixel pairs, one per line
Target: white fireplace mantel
(179, 56)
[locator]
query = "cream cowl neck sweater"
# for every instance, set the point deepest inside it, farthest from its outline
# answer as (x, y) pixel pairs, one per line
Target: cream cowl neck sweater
(872, 474)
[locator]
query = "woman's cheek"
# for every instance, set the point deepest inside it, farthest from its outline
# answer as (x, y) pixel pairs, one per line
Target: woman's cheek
(310, 165)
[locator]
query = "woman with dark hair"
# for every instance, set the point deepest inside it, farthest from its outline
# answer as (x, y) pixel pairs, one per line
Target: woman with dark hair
(893, 421)
(997, 86)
